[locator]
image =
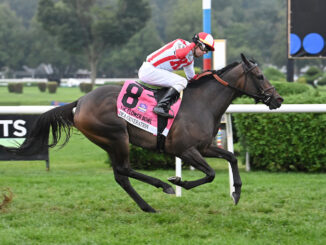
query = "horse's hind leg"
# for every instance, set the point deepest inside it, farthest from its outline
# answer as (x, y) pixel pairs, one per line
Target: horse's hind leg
(124, 182)
(119, 155)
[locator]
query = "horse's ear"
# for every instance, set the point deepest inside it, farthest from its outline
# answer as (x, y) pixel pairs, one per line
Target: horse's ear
(245, 60)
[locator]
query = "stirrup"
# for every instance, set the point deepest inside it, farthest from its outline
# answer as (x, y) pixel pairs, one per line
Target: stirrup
(160, 111)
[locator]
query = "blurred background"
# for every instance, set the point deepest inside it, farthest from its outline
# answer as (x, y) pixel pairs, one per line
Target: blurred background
(37, 38)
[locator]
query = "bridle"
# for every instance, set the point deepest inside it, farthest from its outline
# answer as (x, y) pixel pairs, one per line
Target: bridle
(263, 95)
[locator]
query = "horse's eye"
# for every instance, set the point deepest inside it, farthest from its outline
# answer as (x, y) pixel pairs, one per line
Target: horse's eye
(260, 77)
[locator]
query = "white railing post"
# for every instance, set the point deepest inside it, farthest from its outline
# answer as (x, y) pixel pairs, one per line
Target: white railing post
(229, 134)
(178, 174)
(247, 161)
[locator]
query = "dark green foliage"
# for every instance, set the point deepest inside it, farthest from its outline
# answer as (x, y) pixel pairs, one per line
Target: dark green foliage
(302, 80)
(12, 43)
(322, 80)
(85, 87)
(146, 159)
(285, 141)
(182, 73)
(285, 88)
(312, 74)
(52, 87)
(15, 88)
(24, 42)
(312, 71)
(11, 87)
(274, 74)
(19, 88)
(91, 27)
(41, 86)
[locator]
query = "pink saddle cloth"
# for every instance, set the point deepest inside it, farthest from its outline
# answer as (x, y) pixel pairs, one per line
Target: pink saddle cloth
(135, 104)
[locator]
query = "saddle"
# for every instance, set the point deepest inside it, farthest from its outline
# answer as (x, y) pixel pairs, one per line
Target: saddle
(135, 105)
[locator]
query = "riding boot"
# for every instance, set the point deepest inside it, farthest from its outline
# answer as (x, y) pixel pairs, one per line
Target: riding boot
(163, 106)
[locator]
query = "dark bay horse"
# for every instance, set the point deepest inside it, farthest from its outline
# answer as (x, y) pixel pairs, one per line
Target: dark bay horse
(190, 138)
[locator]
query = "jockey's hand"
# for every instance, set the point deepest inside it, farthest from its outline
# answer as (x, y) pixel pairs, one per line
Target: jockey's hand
(193, 79)
(195, 39)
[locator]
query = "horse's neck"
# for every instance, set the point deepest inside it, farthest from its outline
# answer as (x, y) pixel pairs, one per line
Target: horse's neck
(225, 96)
(211, 96)
(221, 101)
(218, 96)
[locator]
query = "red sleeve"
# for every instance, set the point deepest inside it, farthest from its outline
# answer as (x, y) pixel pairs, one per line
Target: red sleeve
(182, 52)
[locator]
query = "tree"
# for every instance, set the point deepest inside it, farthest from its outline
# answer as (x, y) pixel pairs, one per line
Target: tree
(183, 22)
(43, 48)
(125, 61)
(24, 9)
(91, 27)
(11, 39)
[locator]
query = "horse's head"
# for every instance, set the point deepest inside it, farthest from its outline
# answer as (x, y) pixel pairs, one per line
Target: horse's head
(255, 85)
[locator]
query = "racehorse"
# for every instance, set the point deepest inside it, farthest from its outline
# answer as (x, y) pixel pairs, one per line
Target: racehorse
(190, 138)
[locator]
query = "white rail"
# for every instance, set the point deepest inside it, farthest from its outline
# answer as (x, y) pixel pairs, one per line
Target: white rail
(24, 109)
(249, 108)
(287, 108)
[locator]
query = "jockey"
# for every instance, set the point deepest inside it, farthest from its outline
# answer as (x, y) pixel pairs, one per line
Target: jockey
(159, 66)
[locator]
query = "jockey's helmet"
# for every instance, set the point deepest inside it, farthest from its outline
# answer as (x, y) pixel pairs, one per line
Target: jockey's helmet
(207, 39)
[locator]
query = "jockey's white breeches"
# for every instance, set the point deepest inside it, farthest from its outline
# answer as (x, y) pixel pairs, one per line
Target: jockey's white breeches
(159, 77)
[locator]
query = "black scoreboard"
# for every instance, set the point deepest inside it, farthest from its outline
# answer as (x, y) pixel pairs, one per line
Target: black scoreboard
(306, 28)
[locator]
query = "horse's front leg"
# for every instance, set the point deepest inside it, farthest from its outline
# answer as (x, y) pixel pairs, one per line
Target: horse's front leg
(193, 157)
(214, 151)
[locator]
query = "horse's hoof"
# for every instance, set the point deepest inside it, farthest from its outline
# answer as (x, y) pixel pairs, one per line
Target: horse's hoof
(235, 197)
(169, 190)
(175, 180)
(149, 210)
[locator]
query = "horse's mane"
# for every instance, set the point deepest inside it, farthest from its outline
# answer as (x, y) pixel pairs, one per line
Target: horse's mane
(224, 70)
(220, 73)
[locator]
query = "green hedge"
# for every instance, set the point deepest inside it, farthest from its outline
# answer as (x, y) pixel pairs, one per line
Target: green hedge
(52, 87)
(322, 80)
(285, 141)
(149, 160)
(85, 87)
(41, 86)
(287, 88)
(312, 74)
(274, 74)
(16, 88)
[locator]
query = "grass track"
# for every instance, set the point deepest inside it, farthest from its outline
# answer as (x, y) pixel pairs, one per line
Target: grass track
(32, 96)
(78, 202)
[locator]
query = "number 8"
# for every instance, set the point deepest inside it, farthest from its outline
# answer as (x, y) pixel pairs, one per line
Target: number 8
(134, 96)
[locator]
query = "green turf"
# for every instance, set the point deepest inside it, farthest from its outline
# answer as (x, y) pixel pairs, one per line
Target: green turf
(32, 96)
(78, 202)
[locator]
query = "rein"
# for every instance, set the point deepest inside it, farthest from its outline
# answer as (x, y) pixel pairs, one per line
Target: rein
(220, 80)
(265, 98)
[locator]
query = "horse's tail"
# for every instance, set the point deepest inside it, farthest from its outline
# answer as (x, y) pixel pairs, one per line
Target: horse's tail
(59, 120)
